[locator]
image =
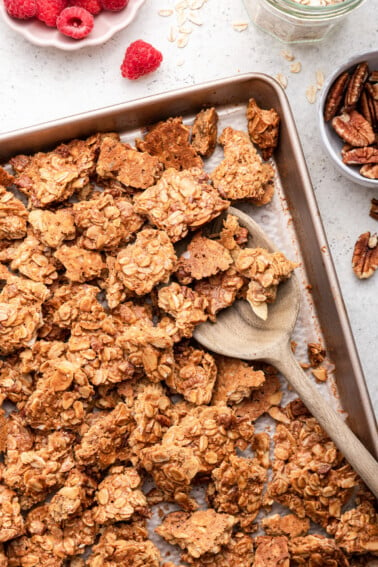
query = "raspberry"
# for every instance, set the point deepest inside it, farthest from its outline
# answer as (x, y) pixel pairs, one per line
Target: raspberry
(49, 10)
(93, 6)
(140, 58)
(21, 9)
(75, 22)
(114, 5)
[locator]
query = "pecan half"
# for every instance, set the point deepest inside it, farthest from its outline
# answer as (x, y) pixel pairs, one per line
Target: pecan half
(374, 209)
(373, 76)
(335, 96)
(353, 156)
(370, 170)
(356, 85)
(354, 129)
(365, 255)
(369, 108)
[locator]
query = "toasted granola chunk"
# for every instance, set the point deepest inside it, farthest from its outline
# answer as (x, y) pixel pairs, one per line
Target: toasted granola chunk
(20, 313)
(236, 488)
(78, 303)
(119, 496)
(81, 265)
(203, 258)
(316, 354)
(11, 521)
(119, 161)
(202, 532)
(235, 380)
(15, 385)
(33, 260)
(145, 263)
(169, 142)
(357, 530)
(261, 399)
(271, 552)
(316, 551)
(13, 216)
(266, 271)
(194, 375)
(52, 228)
(105, 440)
(290, 525)
(242, 174)
(186, 306)
(220, 291)
(180, 201)
(105, 222)
(238, 552)
(6, 178)
(205, 132)
(311, 477)
(72, 499)
(232, 235)
(263, 127)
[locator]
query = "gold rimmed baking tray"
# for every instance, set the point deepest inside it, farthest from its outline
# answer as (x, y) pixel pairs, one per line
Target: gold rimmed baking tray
(292, 219)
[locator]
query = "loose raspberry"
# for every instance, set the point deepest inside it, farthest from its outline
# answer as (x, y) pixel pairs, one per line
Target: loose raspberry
(140, 58)
(49, 10)
(114, 5)
(93, 6)
(21, 9)
(75, 22)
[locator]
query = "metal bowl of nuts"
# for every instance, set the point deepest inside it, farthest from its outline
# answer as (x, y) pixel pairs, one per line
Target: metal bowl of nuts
(348, 118)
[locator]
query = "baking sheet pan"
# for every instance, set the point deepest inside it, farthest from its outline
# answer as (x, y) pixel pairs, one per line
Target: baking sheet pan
(292, 219)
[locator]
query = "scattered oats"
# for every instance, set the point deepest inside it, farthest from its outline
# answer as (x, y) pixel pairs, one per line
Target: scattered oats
(280, 77)
(320, 374)
(165, 13)
(287, 55)
(319, 79)
(180, 62)
(182, 40)
(240, 26)
(196, 4)
(181, 18)
(194, 18)
(181, 5)
(296, 67)
(311, 94)
(172, 35)
(185, 29)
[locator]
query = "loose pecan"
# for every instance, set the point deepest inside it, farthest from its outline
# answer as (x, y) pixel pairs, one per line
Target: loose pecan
(352, 156)
(354, 129)
(335, 96)
(370, 170)
(365, 255)
(374, 209)
(355, 86)
(368, 108)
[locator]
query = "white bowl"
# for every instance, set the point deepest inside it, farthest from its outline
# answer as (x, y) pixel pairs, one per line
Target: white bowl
(332, 142)
(106, 25)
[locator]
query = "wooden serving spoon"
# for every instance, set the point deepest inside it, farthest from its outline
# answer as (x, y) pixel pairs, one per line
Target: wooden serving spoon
(239, 333)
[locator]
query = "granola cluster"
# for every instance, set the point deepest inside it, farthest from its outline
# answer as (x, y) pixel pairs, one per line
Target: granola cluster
(107, 266)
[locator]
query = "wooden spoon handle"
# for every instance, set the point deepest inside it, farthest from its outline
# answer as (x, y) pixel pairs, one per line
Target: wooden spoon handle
(343, 437)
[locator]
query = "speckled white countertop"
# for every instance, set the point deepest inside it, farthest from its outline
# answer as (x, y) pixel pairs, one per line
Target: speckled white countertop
(39, 84)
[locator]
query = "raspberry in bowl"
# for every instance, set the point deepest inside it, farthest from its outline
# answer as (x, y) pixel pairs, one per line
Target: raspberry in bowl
(36, 20)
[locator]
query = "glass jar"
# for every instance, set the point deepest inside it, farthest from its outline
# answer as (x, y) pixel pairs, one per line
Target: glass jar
(292, 22)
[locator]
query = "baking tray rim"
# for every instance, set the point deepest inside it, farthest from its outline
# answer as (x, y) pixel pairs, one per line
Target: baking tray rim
(17, 135)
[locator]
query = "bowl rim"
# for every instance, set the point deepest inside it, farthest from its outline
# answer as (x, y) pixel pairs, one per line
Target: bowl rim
(23, 27)
(351, 173)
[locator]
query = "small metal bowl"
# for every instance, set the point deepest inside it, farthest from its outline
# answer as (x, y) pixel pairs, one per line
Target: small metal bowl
(332, 142)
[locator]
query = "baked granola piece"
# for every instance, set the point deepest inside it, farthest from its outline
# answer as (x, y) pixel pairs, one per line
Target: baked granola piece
(263, 128)
(233, 236)
(311, 477)
(20, 313)
(115, 291)
(237, 553)
(271, 552)
(13, 216)
(6, 178)
(205, 132)
(186, 306)
(290, 525)
(75, 495)
(77, 304)
(235, 381)
(220, 291)
(203, 258)
(105, 441)
(121, 162)
(262, 399)
(202, 532)
(119, 496)
(33, 260)
(105, 222)
(53, 177)
(81, 265)
(194, 375)
(357, 530)
(11, 521)
(265, 270)
(236, 488)
(242, 173)
(180, 201)
(145, 263)
(34, 551)
(316, 551)
(169, 142)
(316, 354)
(15, 386)
(52, 228)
